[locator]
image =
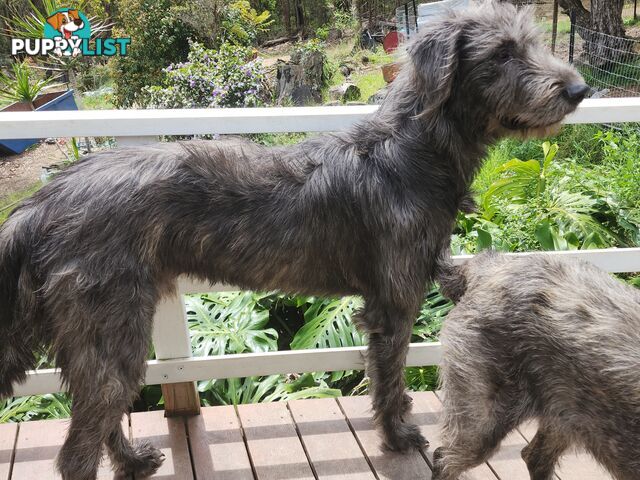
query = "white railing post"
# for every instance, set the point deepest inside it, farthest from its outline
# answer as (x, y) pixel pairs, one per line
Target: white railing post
(171, 340)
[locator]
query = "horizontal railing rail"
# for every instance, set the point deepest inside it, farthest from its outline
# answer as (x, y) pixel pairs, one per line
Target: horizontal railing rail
(136, 123)
(174, 364)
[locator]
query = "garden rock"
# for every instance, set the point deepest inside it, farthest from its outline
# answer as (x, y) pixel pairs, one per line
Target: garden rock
(347, 92)
(301, 79)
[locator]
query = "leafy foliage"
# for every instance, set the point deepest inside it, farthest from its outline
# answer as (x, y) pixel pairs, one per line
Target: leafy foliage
(21, 409)
(159, 36)
(227, 77)
(23, 85)
(242, 24)
(273, 388)
(229, 323)
(543, 204)
(328, 325)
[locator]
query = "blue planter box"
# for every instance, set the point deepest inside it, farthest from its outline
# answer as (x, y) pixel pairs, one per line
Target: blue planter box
(47, 102)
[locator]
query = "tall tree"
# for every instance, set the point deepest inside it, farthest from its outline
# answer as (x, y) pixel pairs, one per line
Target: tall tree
(605, 16)
(602, 29)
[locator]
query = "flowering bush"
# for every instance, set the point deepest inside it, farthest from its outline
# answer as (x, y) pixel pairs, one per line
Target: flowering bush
(227, 77)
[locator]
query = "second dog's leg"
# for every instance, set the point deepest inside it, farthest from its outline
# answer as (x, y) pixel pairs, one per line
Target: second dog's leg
(389, 337)
(542, 454)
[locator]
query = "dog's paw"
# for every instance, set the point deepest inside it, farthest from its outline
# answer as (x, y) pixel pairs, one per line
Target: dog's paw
(144, 462)
(405, 437)
(438, 454)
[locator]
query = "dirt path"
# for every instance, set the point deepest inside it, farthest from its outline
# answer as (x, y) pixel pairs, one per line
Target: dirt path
(19, 172)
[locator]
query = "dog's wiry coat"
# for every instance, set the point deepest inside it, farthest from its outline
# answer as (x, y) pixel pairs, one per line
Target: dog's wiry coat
(540, 338)
(366, 211)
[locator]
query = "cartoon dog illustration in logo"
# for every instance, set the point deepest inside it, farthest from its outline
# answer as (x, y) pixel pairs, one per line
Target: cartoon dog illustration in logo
(67, 23)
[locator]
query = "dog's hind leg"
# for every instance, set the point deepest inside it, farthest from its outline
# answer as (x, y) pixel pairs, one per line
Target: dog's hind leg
(389, 336)
(141, 459)
(101, 349)
(476, 419)
(544, 451)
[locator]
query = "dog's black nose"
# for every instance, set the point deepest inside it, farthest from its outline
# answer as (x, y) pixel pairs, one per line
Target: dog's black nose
(78, 21)
(576, 92)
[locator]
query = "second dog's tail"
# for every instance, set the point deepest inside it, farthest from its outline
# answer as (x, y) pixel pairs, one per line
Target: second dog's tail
(452, 280)
(17, 304)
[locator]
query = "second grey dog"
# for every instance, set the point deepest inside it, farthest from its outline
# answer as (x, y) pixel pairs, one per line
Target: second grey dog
(366, 211)
(547, 339)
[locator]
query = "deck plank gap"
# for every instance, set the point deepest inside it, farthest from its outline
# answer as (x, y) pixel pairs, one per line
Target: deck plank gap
(353, 432)
(304, 446)
(254, 471)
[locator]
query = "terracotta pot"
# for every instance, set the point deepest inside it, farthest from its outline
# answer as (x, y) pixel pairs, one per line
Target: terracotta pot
(390, 71)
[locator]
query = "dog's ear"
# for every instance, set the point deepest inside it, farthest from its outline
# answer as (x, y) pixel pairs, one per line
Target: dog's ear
(434, 55)
(73, 14)
(55, 20)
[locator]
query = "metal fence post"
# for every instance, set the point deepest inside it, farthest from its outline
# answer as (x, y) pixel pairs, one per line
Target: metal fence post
(572, 35)
(415, 14)
(554, 30)
(406, 20)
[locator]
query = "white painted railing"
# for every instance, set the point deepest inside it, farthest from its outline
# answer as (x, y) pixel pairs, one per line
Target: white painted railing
(171, 336)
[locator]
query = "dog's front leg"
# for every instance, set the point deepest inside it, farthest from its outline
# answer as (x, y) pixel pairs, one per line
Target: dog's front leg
(389, 329)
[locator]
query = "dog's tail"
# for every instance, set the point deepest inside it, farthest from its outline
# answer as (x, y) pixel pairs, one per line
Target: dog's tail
(452, 279)
(17, 305)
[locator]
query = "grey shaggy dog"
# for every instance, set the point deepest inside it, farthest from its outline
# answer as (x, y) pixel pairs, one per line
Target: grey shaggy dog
(366, 211)
(543, 338)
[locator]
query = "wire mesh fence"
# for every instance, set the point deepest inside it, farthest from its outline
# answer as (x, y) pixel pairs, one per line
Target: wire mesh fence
(610, 65)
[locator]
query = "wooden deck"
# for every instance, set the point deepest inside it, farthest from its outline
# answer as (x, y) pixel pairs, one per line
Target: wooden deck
(303, 439)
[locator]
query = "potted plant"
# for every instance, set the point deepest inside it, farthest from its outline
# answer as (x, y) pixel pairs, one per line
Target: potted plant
(26, 91)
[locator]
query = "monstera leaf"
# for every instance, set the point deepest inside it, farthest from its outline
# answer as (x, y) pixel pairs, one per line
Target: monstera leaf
(328, 325)
(229, 322)
(236, 391)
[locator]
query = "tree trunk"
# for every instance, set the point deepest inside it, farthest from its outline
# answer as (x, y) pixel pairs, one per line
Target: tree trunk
(602, 30)
(606, 17)
(286, 16)
(300, 20)
(583, 16)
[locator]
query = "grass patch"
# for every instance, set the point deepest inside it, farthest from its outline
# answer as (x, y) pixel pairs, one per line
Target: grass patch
(564, 26)
(369, 83)
(98, 100)
(10, 202)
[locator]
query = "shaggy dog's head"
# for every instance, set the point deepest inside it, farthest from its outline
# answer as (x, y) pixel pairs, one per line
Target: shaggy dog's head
(490, 62)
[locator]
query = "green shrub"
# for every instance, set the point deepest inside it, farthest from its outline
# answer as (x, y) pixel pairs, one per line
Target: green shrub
(92, 76)
(159, 37)
(242, 24)
(588, 199)
(226, 77)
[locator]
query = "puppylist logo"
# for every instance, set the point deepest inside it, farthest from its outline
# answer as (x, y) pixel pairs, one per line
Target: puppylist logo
(67, 32)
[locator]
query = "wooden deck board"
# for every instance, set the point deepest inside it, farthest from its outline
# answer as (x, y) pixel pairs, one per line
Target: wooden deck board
(426, 412)
(327, 439)
(169, 435)
(8, 432)
(330, 444)
(217, 446)
(273, 442)
(36, 449)
(388, 465)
